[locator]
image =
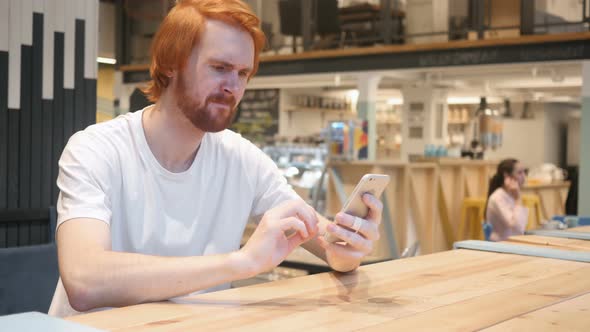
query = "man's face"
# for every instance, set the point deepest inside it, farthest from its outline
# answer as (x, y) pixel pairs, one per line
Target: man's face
(209, 88)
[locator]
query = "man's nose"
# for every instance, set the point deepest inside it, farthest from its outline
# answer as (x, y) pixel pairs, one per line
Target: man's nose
(231, 83)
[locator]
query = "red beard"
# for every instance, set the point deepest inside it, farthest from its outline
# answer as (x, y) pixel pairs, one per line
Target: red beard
(200, 115)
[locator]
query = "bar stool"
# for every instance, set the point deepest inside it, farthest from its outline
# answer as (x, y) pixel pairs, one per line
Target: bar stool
(533, 203)
(472, 217)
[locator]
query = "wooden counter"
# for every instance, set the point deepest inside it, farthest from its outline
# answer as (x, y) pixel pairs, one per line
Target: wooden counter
(460, 179)
(459, 290)
(552, 197)
(425, 197)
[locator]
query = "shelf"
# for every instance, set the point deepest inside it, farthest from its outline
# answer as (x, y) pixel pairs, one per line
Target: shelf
(388, 122)
(388, 148)
(393, 122)
(307, 109)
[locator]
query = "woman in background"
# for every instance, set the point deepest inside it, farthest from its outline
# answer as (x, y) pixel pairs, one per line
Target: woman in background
(504, 209)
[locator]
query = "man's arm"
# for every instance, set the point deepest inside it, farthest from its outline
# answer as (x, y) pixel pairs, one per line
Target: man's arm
(94, 276)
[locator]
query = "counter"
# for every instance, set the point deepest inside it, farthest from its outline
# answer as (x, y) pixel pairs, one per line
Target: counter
(425, 198)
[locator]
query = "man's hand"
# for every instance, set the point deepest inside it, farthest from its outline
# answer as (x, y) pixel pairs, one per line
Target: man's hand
(281, 230)
(347, 255)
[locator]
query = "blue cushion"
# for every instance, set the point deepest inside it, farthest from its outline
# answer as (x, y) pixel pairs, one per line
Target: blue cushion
(28, 276)
(582, 220)
(487, 230)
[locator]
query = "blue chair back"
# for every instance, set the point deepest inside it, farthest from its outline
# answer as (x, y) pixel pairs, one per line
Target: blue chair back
(28, 276)
(487, 230)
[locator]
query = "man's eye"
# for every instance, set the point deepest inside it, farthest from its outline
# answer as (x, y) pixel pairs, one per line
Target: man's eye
(219, 68)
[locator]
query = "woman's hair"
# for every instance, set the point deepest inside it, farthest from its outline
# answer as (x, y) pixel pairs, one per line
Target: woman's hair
(182, 29)
(506, 166)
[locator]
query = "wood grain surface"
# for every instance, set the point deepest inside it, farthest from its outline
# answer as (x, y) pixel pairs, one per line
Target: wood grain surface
(453, 290)
(581, 229)
(569, 315)
(550, 242)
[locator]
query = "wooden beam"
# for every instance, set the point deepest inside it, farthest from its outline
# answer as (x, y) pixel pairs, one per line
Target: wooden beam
(408, 48)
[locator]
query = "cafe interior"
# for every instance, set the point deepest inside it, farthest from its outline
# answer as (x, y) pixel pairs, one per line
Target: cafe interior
(435, 94)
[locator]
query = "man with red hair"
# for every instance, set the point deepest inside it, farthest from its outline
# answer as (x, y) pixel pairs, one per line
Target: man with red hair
(153, 204)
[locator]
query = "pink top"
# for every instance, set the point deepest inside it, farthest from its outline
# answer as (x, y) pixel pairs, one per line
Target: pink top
(506, 216)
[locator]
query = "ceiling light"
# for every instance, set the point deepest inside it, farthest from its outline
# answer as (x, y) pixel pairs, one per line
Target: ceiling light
(395, 101)
(108, 61)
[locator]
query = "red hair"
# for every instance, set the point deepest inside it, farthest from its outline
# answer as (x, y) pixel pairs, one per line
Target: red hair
(184, 25)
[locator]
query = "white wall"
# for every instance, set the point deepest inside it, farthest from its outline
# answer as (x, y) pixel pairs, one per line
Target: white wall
(569, 10)
(523, 139)
(459, 8)
(424, 16)
(535, 141)
(106, 30)
(557, 116)
(573, 141)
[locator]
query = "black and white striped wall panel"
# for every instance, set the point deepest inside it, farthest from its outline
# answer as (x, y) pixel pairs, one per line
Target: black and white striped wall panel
(48, 52)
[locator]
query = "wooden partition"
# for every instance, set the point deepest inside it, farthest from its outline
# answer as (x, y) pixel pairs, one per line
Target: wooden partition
(458, 180)
(552, 197)
(411, 197)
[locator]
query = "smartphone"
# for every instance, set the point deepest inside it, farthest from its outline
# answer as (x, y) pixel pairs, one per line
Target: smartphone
(373, 184)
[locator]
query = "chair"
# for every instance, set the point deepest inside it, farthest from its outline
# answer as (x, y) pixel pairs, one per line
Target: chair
(328, 24)
(28, 276)
(290, 16)
(472, 217)
(487, 231)
(25, 227)
(325, 21)
(533, 203)
(138, 101)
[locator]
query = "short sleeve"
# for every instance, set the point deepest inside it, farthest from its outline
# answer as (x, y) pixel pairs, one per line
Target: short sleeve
(271, 187)
(85, 179)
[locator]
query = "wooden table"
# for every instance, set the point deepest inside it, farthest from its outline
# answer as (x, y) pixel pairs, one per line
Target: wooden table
(550, 242)
(580, 229)
(453, 290)
(569, 315)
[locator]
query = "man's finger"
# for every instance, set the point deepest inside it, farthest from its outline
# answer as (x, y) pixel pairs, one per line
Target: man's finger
(367, 229)
(353, 239)
(304, 212)
(299, 208)
(295, 241)
(375, 208)
(340, 249)
(295, 224)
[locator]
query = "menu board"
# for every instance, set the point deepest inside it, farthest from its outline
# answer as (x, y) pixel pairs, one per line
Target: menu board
(257, 117)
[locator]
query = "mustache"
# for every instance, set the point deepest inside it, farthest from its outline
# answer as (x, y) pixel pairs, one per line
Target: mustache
(222, 99)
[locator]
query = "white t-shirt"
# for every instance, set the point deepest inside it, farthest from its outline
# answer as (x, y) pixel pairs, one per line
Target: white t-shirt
(108, 172)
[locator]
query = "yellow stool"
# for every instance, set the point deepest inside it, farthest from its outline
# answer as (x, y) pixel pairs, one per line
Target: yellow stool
(472, 217)
(533, 203)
